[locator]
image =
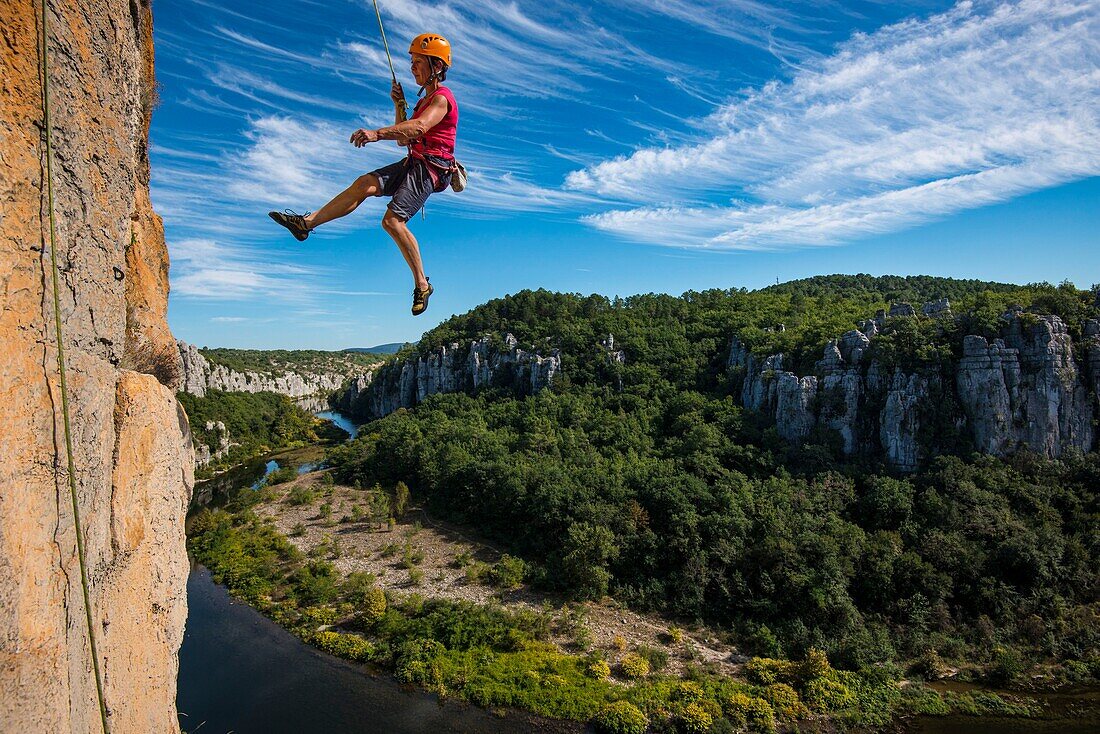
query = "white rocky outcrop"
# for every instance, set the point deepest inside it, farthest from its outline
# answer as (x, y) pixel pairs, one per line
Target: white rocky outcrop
(405, 383)
(1030, 388)
(201, 375)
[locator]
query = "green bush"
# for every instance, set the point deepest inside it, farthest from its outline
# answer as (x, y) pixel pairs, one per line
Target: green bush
(374, 605)
(634, 666)
(508, 573)
(695, 719)
(784, 701)
(598, 669)
(301, 495)
(1005, 667)
(825, 694)
(620, 717)
(743, 710)
(350, 647)
(767, 671)
(655, 656)
(687, 691)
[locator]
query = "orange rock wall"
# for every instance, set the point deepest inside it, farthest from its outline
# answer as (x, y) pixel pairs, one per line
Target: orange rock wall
(133, 455)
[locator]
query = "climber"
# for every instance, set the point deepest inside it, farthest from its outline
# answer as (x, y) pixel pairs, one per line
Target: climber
(430, 139)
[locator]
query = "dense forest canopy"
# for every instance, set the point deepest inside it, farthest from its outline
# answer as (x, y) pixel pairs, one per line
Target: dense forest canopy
(647, 480)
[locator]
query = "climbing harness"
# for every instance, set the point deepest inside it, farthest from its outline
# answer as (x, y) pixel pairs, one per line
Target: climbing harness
(44, 56)
(404, 104)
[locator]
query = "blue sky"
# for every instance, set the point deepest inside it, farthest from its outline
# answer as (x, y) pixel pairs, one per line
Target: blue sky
(621, 147)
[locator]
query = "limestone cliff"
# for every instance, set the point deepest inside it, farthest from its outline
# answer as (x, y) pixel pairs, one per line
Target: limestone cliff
(403, 383)
(133, 458)
(200, 375)
(1030, 388)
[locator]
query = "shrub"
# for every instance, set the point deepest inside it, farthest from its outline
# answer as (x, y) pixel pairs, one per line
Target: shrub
(744, 710)
(413, 657)
(694, 719)
(598, 669)
(930, 666)
(413, 556)
(657, 658)
(620, 717)
(619, 643)
(826, 694)
(1007, 665)
(350, 647)
(634, 666)
(298, 530)
(815, 665)
(476, 572)
(319, 616)
(416, 576)
(675, 635)
(766, 671)
(687, 691)
(508, 572)
(785, 702)
(400, 498)
(374, 605)
(301, 495)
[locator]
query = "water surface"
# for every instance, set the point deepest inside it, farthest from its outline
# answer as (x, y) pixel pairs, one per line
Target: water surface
(242, 673)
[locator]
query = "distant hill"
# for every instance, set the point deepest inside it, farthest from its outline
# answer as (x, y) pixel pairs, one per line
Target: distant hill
(380, 349)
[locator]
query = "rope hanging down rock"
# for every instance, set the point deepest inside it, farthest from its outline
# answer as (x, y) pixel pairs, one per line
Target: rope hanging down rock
(43, 56)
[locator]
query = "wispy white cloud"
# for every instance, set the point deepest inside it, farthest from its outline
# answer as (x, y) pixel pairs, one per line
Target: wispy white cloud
(513, 53)
(918, 120)
(210, 270)
(228, 319)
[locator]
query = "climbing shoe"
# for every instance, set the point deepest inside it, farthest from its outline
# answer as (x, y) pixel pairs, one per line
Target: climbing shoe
(420, 298)
(296, 223)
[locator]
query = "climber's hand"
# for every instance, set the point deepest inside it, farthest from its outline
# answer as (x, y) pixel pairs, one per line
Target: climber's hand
(397, 94)
(362, 136)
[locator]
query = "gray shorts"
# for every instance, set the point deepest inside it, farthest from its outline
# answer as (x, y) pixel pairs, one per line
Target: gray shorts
(408, 184)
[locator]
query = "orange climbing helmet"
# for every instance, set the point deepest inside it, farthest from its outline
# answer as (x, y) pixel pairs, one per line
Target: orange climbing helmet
(432, 44)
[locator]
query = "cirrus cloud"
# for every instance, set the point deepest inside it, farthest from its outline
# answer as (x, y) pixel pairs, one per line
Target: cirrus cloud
(915, 121)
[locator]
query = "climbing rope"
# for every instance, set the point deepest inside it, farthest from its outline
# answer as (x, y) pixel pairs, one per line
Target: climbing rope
(44, 57)
(404, 105)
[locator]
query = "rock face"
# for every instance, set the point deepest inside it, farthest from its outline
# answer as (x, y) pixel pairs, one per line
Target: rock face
(1029, 388)
(200, 375)
(132, 450)
(451, 368)
(203, 454)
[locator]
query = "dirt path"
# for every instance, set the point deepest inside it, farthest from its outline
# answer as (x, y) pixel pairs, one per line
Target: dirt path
(435, 559)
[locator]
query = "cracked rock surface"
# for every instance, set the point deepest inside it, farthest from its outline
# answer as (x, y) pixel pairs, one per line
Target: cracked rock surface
(132, 450)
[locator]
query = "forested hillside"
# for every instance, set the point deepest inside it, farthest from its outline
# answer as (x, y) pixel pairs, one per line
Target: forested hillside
(647, 480)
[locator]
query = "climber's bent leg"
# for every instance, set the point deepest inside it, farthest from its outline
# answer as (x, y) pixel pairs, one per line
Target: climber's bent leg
(346, 201)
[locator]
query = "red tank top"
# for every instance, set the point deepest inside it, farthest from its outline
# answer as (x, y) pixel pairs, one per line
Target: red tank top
(440, 140)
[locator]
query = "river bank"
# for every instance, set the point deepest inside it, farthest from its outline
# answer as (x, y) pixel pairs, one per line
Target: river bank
(240, 672)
